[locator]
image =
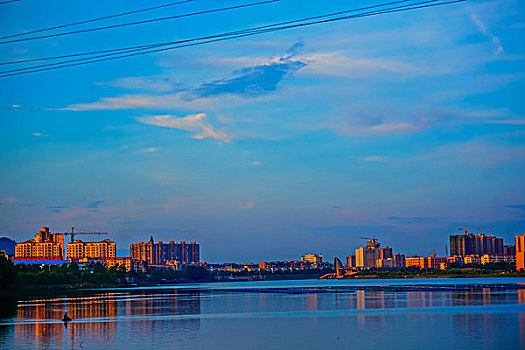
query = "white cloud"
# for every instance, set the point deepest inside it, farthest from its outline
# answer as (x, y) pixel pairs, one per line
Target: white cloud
(507, 122)
(148, 150)
(483, 29)
(384, 127)
(245, 206)
(151, 101)
(341, 64)
(477, 152)
(192, 122)
(39, 134)
(9, 200)
(256, 163)
(372, 159)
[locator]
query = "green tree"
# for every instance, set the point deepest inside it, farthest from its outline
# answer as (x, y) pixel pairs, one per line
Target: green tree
(196, 273)
(7, 273)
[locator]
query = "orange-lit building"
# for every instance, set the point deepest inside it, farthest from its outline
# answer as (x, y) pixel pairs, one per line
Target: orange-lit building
(495, 258)
(415, 261)
(431, 262)
(313, 258)
(158, 253)
(472, 259)
(520, 252)
(44, 246)
(126, 262)
(96, 250)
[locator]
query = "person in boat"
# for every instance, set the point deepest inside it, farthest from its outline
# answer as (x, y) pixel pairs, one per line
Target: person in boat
(66, 317)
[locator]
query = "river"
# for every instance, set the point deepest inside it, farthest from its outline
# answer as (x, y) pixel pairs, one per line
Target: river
(474, 313)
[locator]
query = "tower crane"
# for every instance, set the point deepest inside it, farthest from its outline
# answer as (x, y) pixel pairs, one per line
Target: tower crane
(472, 228)
(73, 233)
(374, 240)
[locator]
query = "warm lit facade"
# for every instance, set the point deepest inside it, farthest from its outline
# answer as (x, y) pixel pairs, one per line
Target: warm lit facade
(313, 258)
(366, 257)
(431, 262)
(96, 250)
(495, 258)
(472, 259)
(158, 253)
(415, 261)
(520, 252)
(126, 262)
(44, 246)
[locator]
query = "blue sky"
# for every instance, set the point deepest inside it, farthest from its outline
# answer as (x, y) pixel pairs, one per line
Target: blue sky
(404, 126)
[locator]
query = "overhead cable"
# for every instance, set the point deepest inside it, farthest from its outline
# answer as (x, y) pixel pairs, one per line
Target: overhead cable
(94, 19)
(133, 48)
(140, 22)
(58, 65)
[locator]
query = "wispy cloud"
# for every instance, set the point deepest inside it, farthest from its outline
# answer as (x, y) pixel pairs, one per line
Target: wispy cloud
(247, 82)
(7, 201)
(483, 29)
(255, 80)
(245, 206)
(476, 152)
(57, 208)
(517, 206)
(507, 121)
(372, 159)
(39, 134)
(95, 204)
(147, 150)
(413, 219)
(194, 122)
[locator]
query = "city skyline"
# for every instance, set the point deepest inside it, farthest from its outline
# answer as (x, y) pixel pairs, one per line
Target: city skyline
(404, 126)
(158, 251)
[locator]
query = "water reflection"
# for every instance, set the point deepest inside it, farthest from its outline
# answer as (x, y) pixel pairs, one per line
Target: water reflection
(193, 318)
(96, 317)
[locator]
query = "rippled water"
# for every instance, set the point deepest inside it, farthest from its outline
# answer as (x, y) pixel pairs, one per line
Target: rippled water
(234, 316)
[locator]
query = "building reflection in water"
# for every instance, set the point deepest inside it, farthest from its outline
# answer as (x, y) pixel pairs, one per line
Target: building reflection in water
(521, 317)
(96, 317)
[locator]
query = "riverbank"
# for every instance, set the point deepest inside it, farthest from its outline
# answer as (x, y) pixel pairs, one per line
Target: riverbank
(31, 292)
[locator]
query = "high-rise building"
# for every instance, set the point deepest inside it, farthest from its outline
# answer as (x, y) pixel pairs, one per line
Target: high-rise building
(520, 252)
(158, 253)
(95, 250)
(385, 253)
(44, 246)
(350, 261)
(469, 244)
(509, 249)
(399, 260)
(366, 257)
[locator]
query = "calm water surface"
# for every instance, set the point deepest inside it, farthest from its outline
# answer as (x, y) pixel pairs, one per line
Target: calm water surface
(219, 316)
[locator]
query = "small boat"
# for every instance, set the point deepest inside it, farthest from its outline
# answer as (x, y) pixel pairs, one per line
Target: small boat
(66, 318)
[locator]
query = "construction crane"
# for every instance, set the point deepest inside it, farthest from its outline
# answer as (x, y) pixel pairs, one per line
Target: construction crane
(373, 240)
(73, 233)
(472, 228)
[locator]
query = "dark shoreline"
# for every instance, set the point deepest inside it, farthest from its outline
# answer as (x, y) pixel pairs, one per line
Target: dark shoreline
(51, 291)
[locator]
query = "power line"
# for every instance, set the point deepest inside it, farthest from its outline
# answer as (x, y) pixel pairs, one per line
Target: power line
(58, 65)
(133, 48)
(140, 22)
(7, 2)
(239, 34)
(95, 19)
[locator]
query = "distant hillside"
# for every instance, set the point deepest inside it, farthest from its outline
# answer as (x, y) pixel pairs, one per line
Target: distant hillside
(8, 245)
